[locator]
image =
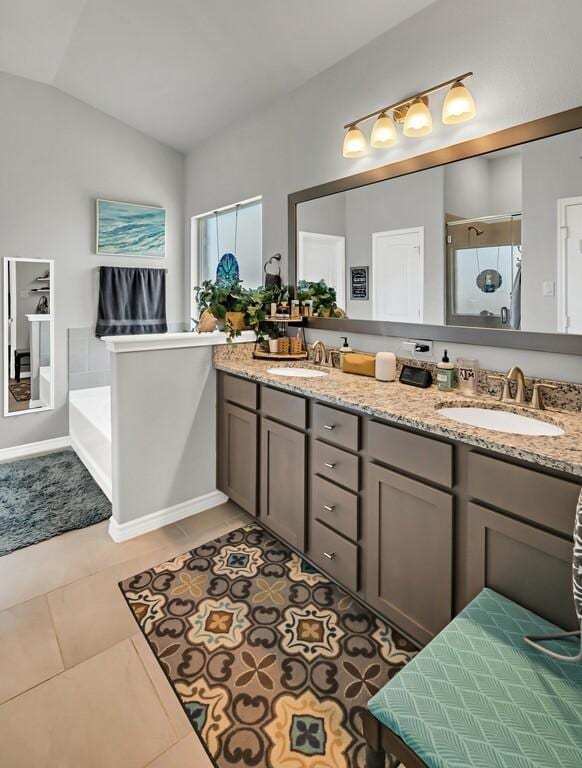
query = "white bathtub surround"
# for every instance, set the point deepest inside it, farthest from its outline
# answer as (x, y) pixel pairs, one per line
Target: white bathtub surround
(123, 531)
(90, 432)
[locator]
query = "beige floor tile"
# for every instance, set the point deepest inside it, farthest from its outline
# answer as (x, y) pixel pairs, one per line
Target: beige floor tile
(32, 571)
(105, 713)
(91, 614)
(102, 552)
(188, 753)
(167, 696)
(210, 524)
(29, 652)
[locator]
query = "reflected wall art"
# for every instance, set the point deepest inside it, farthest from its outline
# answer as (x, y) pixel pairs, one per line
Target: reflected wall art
(128, 229)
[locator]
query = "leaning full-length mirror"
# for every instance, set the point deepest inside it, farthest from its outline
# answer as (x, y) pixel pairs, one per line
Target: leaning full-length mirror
(492, 241)
(28, 336)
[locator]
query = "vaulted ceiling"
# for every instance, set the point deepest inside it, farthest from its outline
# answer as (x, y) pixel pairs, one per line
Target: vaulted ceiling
(179, 69)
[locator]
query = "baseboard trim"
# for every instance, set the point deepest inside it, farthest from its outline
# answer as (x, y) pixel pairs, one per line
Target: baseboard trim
(35, 449)
(123, 531)
(92, 467)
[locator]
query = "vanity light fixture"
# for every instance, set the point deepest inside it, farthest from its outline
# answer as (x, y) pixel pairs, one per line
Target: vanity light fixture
(354, 143)
(458, 105)
(384, 132)
(414, 114)
(418, 120)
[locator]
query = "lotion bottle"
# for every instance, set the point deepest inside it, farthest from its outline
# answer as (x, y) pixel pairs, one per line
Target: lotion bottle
(445, 374)
(344, 349)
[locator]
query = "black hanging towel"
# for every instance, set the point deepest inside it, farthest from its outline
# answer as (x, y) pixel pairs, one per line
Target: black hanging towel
(131, 300)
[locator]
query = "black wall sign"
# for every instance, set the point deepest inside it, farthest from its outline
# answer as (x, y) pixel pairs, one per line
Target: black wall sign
(359, 283)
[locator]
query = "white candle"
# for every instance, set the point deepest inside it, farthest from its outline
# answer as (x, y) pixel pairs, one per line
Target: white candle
(385, 366)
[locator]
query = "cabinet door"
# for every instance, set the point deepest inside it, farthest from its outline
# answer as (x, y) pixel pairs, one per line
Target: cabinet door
(521, 562)
(238, 456)
(409, 541)
(283, 481)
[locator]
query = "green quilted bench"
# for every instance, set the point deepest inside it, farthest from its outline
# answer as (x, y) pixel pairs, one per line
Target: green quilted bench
(478, 695)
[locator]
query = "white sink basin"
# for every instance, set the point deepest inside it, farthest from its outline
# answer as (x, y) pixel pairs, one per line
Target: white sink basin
(302, 373)
(501, 421)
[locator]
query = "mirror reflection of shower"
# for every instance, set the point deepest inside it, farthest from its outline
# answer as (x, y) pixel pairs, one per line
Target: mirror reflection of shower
(484, 271)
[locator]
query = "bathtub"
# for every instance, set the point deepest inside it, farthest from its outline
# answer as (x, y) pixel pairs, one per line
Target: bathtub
(90, 431)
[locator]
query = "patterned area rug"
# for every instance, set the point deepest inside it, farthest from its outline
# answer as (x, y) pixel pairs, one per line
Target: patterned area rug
(272, 662)
(46, 495)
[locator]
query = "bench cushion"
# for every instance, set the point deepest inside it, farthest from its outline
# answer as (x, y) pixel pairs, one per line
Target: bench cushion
(478, 695)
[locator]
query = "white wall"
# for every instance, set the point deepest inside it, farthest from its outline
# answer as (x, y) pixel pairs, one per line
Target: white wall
(411, 201)
(552, 169)
(163, 422)
(57, 156)
(527, 59)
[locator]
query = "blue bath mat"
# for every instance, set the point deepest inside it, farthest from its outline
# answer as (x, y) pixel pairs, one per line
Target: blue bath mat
(46, 495)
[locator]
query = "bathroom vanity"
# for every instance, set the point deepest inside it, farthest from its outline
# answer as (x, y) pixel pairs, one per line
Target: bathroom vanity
(408, 512)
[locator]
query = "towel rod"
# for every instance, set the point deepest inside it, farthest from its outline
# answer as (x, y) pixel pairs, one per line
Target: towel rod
(115, 265)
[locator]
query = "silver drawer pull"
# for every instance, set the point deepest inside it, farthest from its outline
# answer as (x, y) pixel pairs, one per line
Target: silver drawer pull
(329, 466)
(329, 555)
(329, 426)
(329, 509)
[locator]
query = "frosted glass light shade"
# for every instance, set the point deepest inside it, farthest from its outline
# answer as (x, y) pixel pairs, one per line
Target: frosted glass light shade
(383, 133)
(458, 105)
(418, 121)
(354, 143)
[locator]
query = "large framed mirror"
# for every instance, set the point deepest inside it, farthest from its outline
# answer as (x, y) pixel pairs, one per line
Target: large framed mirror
(28, 336)
(477, 243)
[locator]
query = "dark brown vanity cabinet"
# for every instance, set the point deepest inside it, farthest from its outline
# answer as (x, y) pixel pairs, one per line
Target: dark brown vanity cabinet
(409, 551)
(413, 524)
(283, 455)
(238, 456)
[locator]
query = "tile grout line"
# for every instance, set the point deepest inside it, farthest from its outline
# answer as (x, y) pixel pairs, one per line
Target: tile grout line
(54, 626)
(157, 693)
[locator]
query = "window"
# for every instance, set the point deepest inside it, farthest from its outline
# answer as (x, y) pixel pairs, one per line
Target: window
(236, 229)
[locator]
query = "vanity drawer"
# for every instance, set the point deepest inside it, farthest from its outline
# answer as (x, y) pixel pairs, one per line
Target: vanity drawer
(535, 496)
(335, 555)
(336, 426)
(290, 409)
(240, 391)
(418, 455)
(335, 507)
(335, 465)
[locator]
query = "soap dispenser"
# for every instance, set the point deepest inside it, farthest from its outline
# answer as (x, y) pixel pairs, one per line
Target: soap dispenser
(344, 350)
(445, 374)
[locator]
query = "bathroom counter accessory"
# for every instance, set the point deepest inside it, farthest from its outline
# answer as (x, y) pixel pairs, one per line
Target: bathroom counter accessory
(419, 409)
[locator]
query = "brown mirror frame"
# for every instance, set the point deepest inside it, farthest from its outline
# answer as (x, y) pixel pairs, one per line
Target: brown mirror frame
(561, 122)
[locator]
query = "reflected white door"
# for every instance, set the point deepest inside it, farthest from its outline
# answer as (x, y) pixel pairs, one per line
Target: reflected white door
(397, 275)
(570, 265)
(322, 257)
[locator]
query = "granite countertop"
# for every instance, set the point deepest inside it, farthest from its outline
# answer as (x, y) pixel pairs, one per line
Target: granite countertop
(419, 408)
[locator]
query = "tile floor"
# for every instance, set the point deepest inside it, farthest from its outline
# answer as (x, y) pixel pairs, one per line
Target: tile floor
(79, 686)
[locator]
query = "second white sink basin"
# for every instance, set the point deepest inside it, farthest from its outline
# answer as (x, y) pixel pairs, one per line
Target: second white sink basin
(302, 373)
(502, 421)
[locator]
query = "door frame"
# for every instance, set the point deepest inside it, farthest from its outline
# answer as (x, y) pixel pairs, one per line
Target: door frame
(340, 243)
(561, 272)
(408, 231)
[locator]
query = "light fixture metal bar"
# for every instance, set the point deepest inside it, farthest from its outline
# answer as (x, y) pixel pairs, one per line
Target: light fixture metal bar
(410, 99)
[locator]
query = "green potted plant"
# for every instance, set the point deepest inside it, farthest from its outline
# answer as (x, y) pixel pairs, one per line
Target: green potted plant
(323, 296)
(222, 306)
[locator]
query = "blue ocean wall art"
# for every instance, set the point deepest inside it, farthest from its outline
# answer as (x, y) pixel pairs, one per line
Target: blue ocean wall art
(128, 229)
